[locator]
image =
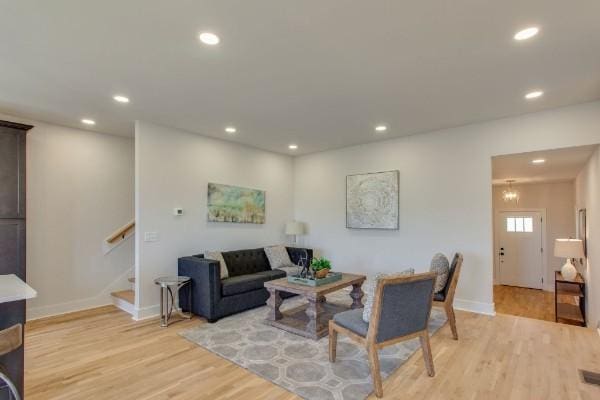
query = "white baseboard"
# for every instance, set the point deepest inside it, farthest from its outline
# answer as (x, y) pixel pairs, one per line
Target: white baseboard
(475, 307)
(123, 305)
(69, 307)
(102, 299)
(146, 312)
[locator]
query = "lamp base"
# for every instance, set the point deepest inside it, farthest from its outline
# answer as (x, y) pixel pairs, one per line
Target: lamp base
(568, 271)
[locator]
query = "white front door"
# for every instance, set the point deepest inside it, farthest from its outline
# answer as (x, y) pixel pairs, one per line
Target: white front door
(520, 249)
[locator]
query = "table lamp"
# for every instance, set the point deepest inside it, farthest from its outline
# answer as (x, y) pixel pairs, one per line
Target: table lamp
(294, 228)
(569, 249)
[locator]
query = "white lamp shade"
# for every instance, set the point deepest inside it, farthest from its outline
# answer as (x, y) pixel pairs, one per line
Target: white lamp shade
(568, 248)
(294, 228)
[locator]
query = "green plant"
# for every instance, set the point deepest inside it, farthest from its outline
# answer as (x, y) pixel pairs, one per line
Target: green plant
(318, 264)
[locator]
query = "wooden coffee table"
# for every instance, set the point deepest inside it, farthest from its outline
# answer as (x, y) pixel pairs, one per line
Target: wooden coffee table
(310, 320)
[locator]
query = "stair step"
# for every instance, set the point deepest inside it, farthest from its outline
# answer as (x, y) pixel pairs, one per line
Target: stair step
(132, 279)
(127, 295)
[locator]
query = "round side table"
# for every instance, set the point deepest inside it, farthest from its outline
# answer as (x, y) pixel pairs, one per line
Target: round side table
(166, 294)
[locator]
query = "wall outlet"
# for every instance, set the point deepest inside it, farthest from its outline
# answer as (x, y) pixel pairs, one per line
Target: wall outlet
(177, 211)
(150, 236)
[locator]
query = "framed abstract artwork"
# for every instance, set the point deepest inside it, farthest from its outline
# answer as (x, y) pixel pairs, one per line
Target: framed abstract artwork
(235, 204)
(372, 200)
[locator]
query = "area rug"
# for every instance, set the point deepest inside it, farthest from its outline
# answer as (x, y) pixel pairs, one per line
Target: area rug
(298, 364)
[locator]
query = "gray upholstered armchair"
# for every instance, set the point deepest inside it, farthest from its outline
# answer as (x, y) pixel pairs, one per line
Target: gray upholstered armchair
(401, 309)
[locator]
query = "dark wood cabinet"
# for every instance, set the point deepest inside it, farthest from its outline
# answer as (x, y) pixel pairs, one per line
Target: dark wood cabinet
(569, 300)
(12, 243)
(12, 235)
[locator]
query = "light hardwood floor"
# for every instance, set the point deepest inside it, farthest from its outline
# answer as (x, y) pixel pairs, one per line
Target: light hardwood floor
(523, 302)
(103, 354)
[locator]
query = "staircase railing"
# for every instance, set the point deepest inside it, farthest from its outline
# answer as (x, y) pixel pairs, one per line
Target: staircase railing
(121, 233)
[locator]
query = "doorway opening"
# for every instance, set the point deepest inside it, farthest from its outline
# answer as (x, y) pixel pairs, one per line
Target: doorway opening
(534, 204)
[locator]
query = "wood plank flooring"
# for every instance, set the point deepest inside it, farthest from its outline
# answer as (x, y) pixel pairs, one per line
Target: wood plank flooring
(523, 302)
(103, 354)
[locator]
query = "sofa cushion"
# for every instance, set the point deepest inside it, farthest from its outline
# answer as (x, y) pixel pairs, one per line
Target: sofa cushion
(246, 262)
(352, 320)
(278, 256)
(218, 256)
(441, 296)
(247, 283)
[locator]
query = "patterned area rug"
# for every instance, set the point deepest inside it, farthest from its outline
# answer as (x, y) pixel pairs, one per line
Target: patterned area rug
(298, 364)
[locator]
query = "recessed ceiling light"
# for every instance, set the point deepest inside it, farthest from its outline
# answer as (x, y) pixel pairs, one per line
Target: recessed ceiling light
(88, 121)
(527, 33)
(534, 95)
(538, 161)
(209, 38)
(293, 146)
(381, 128)
(121, 99)
(230, 129)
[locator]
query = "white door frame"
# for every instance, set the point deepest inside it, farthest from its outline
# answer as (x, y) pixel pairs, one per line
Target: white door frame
(497, 226)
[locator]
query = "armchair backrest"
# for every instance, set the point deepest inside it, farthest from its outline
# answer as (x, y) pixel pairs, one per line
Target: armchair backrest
(401, 306)
(453, 277)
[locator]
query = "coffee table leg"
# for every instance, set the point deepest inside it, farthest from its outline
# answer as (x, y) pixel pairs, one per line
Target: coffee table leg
(357, 295)
(274, 302)
(313, 311)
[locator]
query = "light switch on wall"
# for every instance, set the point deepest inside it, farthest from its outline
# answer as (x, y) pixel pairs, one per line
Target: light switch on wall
(150, 236)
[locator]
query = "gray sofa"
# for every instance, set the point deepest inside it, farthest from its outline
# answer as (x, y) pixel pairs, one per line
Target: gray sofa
(213, 298)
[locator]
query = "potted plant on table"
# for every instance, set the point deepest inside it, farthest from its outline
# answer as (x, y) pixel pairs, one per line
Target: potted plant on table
(321, 267)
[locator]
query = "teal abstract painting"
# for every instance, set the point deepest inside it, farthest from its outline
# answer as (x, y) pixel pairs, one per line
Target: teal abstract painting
(235, 204)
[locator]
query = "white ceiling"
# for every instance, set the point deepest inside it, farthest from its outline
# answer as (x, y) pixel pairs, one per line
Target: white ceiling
(317, 73)
(560, 165)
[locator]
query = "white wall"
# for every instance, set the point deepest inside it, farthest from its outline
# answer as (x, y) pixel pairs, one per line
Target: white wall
(558, 198)
(588, 197)
(79, 190)
(445, 194)
(173, 169)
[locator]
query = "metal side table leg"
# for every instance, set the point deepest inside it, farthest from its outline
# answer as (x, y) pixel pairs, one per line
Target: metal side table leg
(187, 315)
(11, 386)
(169, 294)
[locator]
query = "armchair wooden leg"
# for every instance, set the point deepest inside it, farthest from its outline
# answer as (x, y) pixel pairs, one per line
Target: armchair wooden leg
(451, 320)
(375, 373)
(424, 338)
(332, 342)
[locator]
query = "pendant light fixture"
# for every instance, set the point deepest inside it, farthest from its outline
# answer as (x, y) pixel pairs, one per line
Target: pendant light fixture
(510, 195)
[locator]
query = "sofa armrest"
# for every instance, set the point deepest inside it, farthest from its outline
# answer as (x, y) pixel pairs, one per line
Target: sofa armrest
(296, 253)
(206, 285)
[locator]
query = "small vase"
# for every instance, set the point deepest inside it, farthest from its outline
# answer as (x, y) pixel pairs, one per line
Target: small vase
(321, 273)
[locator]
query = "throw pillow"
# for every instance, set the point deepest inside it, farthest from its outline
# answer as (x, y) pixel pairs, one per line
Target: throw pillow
(371, 285)
(278, 256)
(218, 256)
(441, 266)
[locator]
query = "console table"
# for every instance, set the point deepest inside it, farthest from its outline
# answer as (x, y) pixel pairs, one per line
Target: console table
(569, 300)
